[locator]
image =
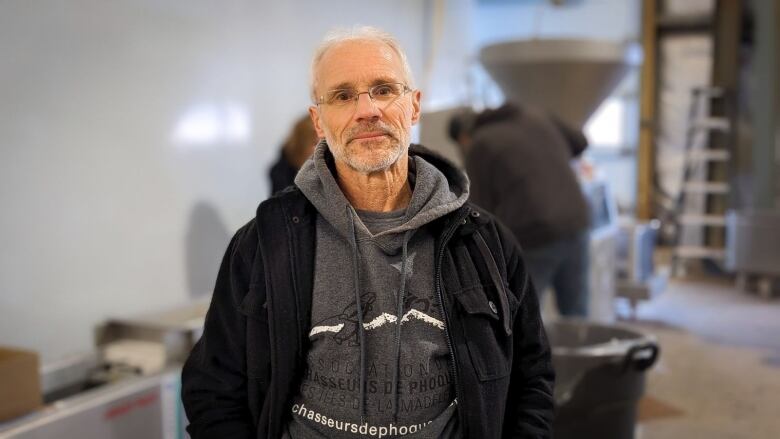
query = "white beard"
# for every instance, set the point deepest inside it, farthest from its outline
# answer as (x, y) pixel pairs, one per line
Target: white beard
(355, 161)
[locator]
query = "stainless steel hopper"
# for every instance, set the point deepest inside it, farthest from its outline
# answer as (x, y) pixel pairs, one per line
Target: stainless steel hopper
(569, 78)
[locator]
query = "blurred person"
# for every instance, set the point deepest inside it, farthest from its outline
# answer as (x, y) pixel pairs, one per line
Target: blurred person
(298, 147)
(519, 163)
(372, 298)
(459, 129)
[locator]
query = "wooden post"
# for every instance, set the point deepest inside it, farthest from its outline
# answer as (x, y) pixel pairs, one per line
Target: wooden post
(648, 123)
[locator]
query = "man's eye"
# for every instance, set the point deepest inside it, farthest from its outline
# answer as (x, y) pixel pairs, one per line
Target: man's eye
(343, 96)
(384, 90)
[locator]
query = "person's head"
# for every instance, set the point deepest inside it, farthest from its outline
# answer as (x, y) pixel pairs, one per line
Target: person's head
(300, 142)
(460, 127)
(366, 132)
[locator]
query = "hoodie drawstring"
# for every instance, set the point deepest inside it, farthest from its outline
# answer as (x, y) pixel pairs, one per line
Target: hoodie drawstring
(360, 329)
(400, 313)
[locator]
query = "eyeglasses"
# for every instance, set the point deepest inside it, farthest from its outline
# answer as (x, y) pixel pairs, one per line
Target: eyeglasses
(383, 93)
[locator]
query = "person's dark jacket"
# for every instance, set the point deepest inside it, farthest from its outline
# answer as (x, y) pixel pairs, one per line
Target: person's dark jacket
(282, 173)
(519, 167)
(240, 377)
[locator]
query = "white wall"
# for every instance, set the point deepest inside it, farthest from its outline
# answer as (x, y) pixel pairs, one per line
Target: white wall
(104, 211)
(451, 48)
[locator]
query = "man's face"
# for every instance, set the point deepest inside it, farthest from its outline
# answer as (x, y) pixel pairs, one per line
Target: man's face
(367, 136)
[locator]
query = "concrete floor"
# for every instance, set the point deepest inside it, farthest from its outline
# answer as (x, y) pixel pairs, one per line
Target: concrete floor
(718, 375)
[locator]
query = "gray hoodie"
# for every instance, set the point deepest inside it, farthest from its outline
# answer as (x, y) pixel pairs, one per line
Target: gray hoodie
(388, 376)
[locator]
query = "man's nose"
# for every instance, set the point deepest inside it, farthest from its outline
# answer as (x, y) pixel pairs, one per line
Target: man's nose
(366, 108)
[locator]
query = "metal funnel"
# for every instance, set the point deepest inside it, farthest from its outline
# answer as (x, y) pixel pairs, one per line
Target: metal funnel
(569, 78)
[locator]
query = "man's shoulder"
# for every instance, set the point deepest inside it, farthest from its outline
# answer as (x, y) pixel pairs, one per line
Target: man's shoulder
(480, 216)
(290, 200)
(492, 229)
(288, 207)
(267, 217)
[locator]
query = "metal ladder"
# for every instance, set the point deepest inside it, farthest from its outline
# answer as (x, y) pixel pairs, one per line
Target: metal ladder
(693, 221)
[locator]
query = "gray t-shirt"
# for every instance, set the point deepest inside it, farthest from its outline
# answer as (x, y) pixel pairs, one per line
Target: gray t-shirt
(327, 404)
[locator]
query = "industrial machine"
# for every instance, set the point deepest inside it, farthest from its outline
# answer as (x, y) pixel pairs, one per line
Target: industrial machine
(753, 249)
(601, 251)
(128, 388)
(569, 78)
(637, 278)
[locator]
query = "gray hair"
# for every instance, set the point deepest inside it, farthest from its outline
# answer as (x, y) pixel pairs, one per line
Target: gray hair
(357, 33)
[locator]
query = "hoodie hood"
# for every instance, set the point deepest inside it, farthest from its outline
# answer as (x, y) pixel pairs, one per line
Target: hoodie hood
(438, 188)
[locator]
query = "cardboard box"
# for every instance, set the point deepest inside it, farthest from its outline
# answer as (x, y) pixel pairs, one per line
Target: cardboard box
(20, 383)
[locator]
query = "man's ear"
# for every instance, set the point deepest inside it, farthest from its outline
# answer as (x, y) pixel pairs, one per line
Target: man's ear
(315, 120)
(416, 97)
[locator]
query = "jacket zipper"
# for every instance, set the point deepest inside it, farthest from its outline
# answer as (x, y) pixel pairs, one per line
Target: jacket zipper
(440, 257)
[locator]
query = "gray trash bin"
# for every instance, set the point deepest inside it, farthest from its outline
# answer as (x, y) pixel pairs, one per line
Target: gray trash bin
(600, 377)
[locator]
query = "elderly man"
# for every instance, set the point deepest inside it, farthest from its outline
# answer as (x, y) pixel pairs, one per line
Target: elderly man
(371, 299)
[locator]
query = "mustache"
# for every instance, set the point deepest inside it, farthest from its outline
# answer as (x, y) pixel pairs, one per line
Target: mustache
(370, 128)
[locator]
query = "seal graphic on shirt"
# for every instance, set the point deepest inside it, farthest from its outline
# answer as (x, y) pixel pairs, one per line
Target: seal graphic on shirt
(343, 326)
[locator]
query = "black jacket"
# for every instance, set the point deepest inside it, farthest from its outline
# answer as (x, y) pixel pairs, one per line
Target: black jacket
(242, 374)
(519, 167)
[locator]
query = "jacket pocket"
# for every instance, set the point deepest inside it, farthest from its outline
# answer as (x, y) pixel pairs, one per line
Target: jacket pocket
(490, 348)
(258, 364)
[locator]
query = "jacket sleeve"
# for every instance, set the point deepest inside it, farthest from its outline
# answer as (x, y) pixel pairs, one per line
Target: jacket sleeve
(214, 382)
(530, 406)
